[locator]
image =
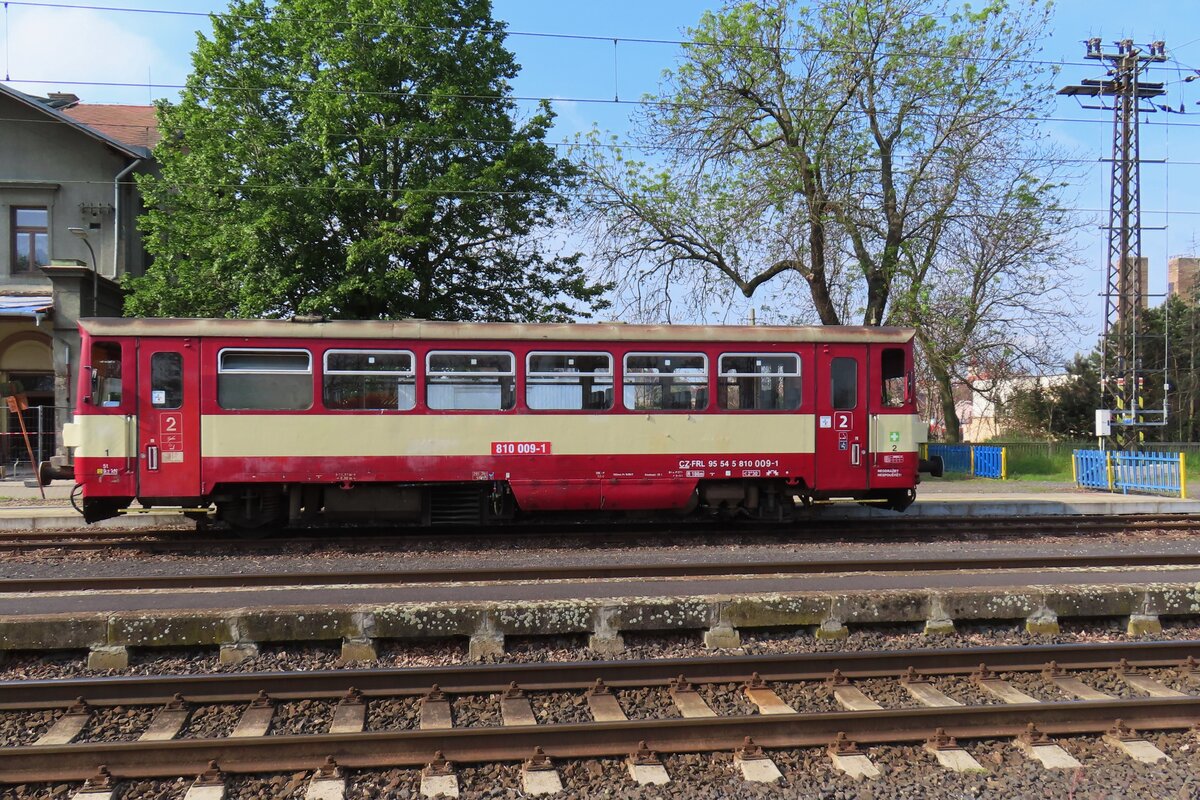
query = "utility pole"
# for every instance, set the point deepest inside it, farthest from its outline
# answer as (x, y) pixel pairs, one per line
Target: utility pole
(1125, 375)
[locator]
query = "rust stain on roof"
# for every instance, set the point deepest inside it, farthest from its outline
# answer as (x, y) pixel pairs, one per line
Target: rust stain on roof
(425, 329)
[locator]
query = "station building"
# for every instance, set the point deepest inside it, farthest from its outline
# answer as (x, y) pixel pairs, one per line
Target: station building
(68, 212)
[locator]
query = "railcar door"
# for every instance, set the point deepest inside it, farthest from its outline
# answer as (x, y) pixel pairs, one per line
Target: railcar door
(841, 440)
(168, 418)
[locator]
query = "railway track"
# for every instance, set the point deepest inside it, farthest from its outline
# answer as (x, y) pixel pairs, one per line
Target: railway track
(899, 528)
(1158, 680)
(606, 571)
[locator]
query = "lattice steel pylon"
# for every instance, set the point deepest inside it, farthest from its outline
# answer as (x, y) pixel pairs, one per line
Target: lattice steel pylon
(1127, 376)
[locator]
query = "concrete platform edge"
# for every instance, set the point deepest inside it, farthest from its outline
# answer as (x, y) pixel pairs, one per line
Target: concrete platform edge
(215, 627)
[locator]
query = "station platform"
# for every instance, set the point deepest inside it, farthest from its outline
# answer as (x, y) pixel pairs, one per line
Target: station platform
(991, 498)
(22, 509)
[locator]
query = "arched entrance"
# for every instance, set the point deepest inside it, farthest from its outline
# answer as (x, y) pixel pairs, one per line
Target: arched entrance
(26, 359)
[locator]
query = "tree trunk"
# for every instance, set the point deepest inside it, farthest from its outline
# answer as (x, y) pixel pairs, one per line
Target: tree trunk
(946, 392)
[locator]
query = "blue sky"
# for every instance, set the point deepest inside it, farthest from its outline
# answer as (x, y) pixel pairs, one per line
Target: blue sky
(81, 49)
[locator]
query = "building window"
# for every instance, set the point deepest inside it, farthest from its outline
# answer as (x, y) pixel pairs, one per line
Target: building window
(30, 239)
(380, 380)
(265, 380)
(759, 382)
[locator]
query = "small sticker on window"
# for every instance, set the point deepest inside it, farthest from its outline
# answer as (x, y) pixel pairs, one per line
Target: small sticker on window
(158, 397)
(826, 421)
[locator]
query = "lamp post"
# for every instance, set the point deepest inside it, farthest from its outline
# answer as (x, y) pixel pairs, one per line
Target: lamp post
(82, 234)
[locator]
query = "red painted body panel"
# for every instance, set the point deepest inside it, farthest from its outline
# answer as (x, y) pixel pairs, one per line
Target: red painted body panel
(540, 483)
(168, 427)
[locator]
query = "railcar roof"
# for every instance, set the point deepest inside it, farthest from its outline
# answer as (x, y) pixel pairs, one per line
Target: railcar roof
(425, 329)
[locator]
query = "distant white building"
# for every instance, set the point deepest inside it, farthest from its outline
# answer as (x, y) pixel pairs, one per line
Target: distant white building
(976, 403)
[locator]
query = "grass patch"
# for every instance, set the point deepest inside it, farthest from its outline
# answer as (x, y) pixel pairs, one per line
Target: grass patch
(1039, 467)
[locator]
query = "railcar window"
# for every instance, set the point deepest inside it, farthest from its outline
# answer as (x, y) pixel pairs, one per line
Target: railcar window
(265, 380)
(758, 382)
(666, 381)
(893, 378)
(166, 380)
(843, 375)
(106, 374)
(369, 379)
(470, 381)
(569, 382)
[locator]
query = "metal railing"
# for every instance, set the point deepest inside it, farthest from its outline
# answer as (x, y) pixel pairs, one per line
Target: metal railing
(1131, 473)
(42, 424)
(981, 461)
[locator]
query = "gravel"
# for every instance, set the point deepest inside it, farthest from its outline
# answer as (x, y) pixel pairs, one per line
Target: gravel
(212, 721)
(259, 787)
(908, 773)
(1034, 685)
(559, 708)
(490, 780)
(295, 717)
(116, 723)
(394, 713)
(37, 791)
(393, 784)
(428, 550)
(885, 691)
(647, 702)
(19, 728)
(156, 790)
(727, 699)
(421, 652)
(476, 710)
(964, 691)
(807, 697)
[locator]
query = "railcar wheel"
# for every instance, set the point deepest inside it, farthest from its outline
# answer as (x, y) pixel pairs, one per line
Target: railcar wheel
(900, 499)
(251, 511)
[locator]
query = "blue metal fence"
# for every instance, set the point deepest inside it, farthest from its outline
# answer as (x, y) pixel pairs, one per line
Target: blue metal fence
(1128, 472)
(1091, 469)
(955, 457)
(989, 462)
(978, 460)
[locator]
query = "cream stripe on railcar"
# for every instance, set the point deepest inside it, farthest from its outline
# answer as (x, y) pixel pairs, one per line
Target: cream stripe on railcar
(272, 435)
(100, 436)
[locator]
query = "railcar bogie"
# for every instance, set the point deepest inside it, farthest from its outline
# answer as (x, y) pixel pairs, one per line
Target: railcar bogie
(424, 423)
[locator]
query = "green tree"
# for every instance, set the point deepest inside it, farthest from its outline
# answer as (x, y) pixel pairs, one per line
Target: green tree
(358, 159)
(1065, 409)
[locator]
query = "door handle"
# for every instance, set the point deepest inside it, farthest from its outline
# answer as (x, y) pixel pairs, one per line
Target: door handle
(855, 454)
(130, 442)
(152, 457)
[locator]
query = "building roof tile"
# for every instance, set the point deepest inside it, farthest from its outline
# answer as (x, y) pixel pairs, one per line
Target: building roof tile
(135, 126)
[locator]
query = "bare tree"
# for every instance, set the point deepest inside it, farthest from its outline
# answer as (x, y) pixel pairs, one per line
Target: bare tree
(813, 147)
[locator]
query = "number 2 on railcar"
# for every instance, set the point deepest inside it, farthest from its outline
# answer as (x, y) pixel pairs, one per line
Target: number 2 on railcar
(276, 422)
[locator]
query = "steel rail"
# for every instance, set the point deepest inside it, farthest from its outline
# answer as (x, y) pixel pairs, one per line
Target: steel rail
(552, 527)
(583, 740)
(579, 675)
(493, 575)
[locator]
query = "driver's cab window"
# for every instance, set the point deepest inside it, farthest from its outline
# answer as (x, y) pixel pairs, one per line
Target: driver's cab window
(106, 374)
(893, 378)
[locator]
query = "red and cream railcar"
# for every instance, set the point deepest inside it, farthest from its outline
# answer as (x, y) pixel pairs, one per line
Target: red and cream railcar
(455, 422)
